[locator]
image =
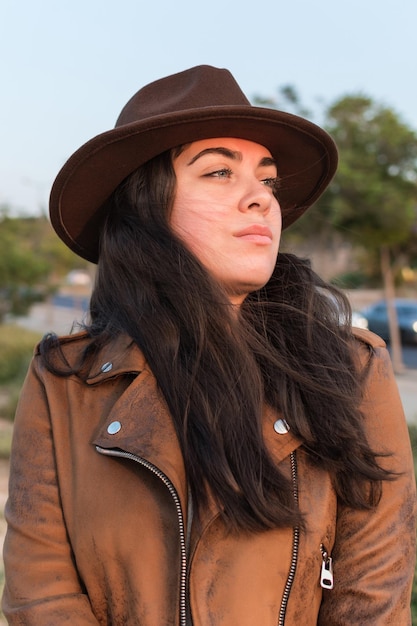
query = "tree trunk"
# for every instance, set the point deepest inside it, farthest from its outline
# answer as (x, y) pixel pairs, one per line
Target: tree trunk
(389, 287)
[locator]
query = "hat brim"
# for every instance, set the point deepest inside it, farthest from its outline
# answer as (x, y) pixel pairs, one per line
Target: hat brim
(306, 157)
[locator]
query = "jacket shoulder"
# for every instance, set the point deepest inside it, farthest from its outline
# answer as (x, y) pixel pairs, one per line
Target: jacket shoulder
(368, 338)
(69, 353)
(368, 348)
(67, 343)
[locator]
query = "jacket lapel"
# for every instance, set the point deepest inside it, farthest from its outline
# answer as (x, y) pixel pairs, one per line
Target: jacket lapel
(279, 439)
(140, 423)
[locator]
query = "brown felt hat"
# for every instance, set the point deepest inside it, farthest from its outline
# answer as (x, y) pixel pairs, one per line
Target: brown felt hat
(199, 103)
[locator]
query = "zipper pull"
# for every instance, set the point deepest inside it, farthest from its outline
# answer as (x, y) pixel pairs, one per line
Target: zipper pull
(326, 574)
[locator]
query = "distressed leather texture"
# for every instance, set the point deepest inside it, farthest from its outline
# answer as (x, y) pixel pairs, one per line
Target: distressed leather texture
(94, 539)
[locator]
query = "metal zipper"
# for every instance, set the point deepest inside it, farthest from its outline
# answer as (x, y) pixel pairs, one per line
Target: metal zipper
(155, 470)
(326, 574)
(295, 546)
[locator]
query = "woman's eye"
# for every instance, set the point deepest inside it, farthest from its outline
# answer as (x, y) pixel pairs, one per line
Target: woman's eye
(223, 173)
(272, 182)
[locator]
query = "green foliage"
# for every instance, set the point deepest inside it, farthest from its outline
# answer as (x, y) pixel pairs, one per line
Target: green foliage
(16, 349)
(5, 442)
(20, 269)
(288, 99)
(372, 201)
(374, 193)
(32, 262)
(350, 280)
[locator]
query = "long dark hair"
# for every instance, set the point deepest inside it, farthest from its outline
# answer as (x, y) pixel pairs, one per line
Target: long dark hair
(217, 370)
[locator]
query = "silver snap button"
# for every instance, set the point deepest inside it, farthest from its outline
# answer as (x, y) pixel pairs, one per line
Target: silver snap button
(281, 427)
(114, 428)
(107, 367)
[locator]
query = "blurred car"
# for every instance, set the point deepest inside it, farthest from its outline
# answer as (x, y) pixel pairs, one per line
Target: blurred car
(377, 317)
(359, 320)
(78, 278)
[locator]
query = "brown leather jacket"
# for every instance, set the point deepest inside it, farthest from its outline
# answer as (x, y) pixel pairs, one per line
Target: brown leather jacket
(98, 515)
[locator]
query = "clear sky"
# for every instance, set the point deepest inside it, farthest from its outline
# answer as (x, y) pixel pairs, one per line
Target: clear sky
(69, 66)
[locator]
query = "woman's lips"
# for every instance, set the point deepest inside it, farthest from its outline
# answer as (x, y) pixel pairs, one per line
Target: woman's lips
(256, 233)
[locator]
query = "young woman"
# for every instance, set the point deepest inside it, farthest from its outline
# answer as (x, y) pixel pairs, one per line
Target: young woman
(215, 447)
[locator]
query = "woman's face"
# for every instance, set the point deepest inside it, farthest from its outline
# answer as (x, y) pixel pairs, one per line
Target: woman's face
(226, 213)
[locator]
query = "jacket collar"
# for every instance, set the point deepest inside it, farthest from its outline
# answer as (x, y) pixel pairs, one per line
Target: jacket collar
(140, 424)
(123, 357)
(119, 357)
(146, 427)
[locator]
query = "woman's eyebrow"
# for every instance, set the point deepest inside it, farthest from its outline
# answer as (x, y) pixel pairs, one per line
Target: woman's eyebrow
(267, 161)
(230, 154)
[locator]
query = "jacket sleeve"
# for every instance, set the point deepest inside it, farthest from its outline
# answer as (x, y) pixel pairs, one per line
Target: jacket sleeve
(374, 551)
(41, 582)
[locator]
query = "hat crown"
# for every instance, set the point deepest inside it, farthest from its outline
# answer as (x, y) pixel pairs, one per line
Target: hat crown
(199, 87)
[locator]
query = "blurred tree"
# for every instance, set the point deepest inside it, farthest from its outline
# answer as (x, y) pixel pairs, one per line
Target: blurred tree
(287, 99)
(32, 261)
(20, 270)
(373, 197)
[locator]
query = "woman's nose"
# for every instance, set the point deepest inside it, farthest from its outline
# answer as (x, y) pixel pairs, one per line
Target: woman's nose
(256, 197)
